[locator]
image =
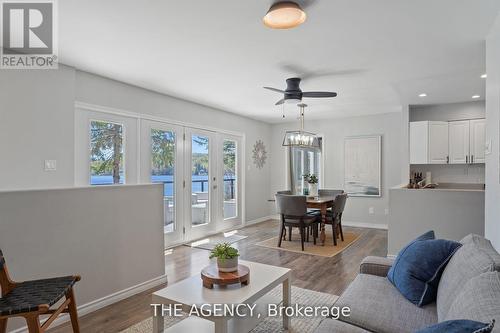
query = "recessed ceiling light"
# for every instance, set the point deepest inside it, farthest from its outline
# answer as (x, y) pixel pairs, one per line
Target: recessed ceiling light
(484, 76)
(422, 95)
(475, 96)
(284, 15)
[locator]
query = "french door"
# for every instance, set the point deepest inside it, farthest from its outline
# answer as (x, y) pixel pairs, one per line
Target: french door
(200, 172)
(201, 182)
(161, 161)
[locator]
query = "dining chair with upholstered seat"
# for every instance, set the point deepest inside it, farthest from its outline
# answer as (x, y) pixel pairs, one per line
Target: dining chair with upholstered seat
(32, 299)
(293, 213)
(288, 192)
(335, 216)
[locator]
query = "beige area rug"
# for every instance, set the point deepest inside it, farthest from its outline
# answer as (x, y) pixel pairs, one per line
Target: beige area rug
(270, 324)
(329, 250)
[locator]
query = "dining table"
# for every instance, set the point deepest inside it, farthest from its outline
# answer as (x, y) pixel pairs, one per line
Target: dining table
(322, 203)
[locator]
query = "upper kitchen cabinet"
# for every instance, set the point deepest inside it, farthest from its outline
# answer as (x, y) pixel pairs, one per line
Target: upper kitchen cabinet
(477, 140)
(429, 142)
(467, 141)
(459, 141)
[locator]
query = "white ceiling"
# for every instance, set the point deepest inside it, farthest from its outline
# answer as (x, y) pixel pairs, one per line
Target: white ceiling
(220, 54)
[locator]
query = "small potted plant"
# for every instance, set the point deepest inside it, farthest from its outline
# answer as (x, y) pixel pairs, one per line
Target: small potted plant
(227, 257)
(312, 181)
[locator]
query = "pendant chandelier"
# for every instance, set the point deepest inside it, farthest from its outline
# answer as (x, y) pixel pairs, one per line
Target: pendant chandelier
(301, 138)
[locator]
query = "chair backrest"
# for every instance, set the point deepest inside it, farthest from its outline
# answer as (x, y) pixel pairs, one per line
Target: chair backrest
(339, 204)
(2, 260)
(291, 205)
(288, 192)
(329, 193)
(6, 283)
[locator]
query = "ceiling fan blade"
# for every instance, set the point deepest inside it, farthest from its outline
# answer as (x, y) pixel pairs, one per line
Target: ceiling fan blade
(281, 101)
(274, 89)
(319, 94)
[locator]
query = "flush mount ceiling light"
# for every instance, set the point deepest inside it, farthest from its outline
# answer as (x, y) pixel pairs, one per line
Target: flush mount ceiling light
(484, 76)
(476, 96)
(284, 15)
(422, 95)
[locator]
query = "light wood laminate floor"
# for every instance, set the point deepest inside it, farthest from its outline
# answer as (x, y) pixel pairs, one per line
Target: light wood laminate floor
(330, 275)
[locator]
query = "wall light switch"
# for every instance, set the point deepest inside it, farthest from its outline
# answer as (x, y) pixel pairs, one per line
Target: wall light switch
(371, 210)
(50, 165)
(386, 211)
(487, 148)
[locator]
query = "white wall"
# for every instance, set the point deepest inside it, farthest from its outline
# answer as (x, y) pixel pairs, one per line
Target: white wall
(334, 131)
(448, 112)
(492, 223)
(37, 123)
(452, 173)
(115, 245)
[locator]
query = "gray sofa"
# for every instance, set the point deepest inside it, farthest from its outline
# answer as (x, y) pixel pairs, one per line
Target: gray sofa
(469, 289)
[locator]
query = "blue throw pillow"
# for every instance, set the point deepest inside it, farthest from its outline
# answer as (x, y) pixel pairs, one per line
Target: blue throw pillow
(459, 326)
(418, 267)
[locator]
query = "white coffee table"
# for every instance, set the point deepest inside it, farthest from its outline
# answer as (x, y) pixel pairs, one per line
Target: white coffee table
(263, 278)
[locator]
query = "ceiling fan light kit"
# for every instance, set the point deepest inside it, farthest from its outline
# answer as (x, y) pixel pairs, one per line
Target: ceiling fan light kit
(284, 15)
(301, 138)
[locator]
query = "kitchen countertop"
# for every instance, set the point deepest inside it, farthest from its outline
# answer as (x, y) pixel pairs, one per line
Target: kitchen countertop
(446, 187)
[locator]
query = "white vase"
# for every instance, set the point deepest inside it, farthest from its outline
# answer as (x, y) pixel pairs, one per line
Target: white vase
(313, 190)
(228, 265)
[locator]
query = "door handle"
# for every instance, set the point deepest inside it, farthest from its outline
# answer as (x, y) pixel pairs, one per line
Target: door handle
(447, 159)
(472, 159)
(467, 159)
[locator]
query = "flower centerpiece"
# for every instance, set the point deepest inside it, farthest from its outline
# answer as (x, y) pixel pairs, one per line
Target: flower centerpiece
(312, 181)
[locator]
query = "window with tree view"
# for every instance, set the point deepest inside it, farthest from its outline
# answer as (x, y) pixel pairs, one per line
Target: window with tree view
(230, 203)
(163, 171)
(106, 153)
(304, 161)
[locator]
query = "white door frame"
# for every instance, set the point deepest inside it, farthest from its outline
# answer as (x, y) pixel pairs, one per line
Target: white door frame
(222, 223)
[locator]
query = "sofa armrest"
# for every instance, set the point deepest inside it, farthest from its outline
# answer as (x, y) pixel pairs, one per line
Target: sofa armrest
(378, 266)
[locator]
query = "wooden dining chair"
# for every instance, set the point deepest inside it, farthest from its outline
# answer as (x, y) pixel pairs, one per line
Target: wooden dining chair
(293, 213)
(334, 217)
(32, 299)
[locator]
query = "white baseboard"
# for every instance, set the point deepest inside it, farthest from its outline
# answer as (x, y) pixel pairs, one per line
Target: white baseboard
(105, 301)
(262, 219)
(365, 225)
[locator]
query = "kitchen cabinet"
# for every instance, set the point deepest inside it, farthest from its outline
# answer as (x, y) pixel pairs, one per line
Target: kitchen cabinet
(467, 141)
(443, 142)
(477, 140)
(429, 142)
(459, 141)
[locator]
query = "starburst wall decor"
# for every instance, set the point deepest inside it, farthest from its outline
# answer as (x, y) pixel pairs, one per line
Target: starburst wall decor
(259, 154)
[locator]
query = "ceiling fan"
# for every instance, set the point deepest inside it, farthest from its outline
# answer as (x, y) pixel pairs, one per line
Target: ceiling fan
(293, 93)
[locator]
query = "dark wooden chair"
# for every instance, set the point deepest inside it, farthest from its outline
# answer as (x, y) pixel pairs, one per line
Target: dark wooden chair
(326, 193)
(32, 299)
(293, 212)
(334, 217)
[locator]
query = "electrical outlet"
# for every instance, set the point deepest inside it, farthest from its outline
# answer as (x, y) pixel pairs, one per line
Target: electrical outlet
(50, 165)
(371, 210)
